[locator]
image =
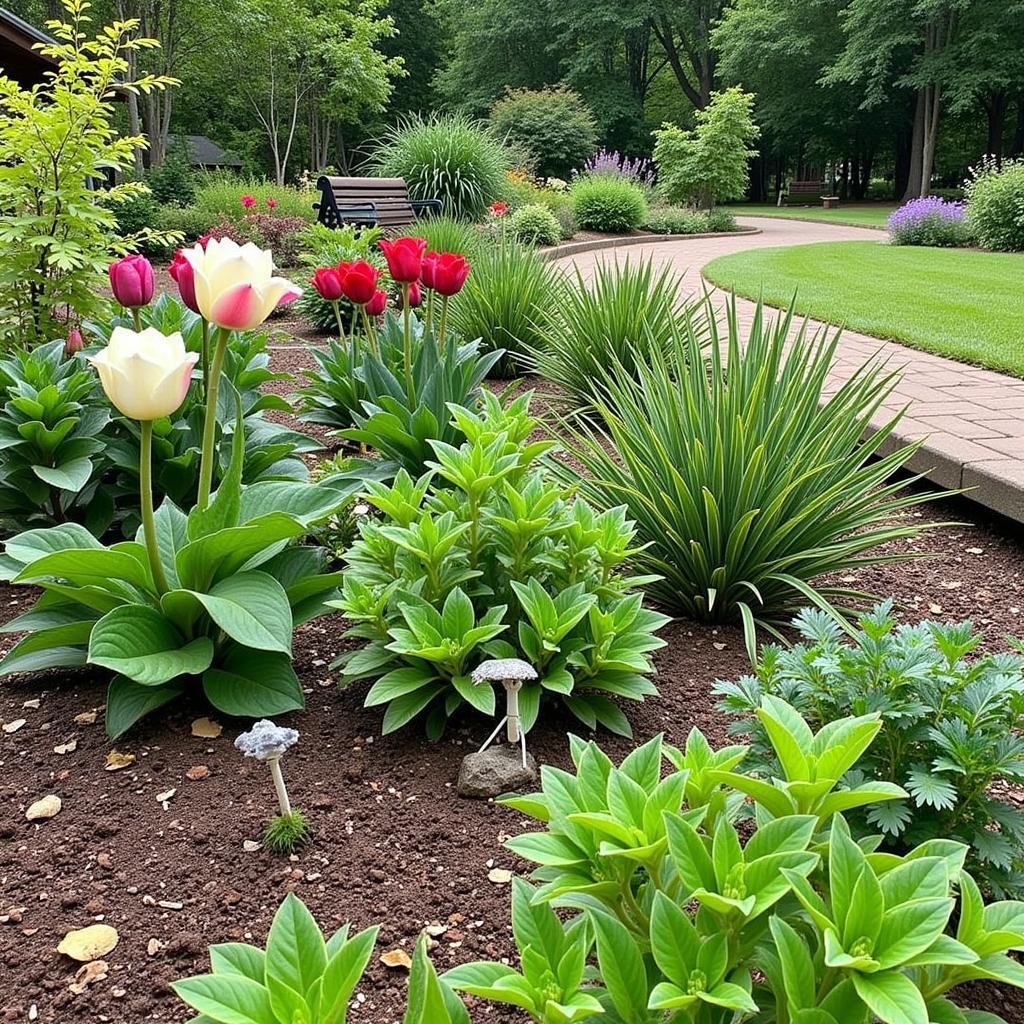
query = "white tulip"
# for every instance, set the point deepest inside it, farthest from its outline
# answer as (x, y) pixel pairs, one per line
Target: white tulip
(235, 284)
(145, 374)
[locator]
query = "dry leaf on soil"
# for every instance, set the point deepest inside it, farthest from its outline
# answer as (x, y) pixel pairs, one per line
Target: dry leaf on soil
(66, 748)
(87, 974)
(116, 760)
(86, 718)
(499, 876)
(198, 771)
(86, 944)
(206, 728)
(396, 958)
(45, 807)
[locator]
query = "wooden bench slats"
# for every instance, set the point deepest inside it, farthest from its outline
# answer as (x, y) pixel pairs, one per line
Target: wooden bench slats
(382, 202)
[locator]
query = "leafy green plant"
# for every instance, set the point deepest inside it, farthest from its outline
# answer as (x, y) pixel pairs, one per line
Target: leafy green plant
(334, 390)
(554, 125)
(51, 438)
(303, 977)
(535, 224)
(674, 220)
(995, 205)
(484, 556)
(950, 727)
(611, 320)
(446, 234)
(709, 163)
(785, 919)
(603, 202)
(550, 987)
(218, 197)
(57, 138)
(445, 156)
(506, 302)
(747, 487)
(237, 586)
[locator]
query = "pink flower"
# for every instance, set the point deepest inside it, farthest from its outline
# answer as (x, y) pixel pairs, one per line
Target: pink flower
(75, 342)
(498, 209)
(271, 202)
(131, 281)
(248, 202)
(377, 304)
(183, 276)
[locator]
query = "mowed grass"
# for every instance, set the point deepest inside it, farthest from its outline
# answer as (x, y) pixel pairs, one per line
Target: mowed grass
(865, 215)
(960, 303)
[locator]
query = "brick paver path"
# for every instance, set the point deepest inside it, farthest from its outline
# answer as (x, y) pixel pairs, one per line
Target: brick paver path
(972, 419)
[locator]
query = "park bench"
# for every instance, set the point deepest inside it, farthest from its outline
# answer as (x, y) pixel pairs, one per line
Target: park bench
(369, 202)
(805, 192)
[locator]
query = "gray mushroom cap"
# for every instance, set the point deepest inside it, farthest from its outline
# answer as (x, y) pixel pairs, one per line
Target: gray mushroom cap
(265, 740)
(502, 670)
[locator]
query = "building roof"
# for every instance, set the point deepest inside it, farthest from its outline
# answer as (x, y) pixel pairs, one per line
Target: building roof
(204, 152)
(18, 59)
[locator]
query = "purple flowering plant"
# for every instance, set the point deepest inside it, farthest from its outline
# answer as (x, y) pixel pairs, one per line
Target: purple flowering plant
(929, 220)
(606, 161)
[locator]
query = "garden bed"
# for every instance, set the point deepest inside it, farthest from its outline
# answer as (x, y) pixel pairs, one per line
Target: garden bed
(392, 841)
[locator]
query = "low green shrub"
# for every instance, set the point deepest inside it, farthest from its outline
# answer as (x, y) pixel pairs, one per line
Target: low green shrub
(553, 124)
(602, 202)
(485, 556)
(699, 916)
(748, 486)
(950, 727)
(303, 977)
(448, 157)
(173, 183)
(610, 320)
(535, 225)
(681, 220)
(506, 302)
(995, 205)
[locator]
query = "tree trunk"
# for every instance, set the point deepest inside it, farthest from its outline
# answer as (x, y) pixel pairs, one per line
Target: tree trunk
(1017, 148)
(916, 155)
(996, 104)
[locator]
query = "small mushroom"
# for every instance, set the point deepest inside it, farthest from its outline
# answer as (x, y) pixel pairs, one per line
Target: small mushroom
(267, 742)
(511, 673)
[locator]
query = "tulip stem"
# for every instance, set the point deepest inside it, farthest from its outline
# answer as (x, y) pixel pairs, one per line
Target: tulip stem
(148, 520)
(210, 422)
(136, 319)
(371, 333)
(206, 356)
(341, 324)
(444, 324)
(410, 390)
(430, 310)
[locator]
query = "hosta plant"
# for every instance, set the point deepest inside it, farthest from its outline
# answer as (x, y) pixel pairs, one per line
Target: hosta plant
(52, 425)
(747, 485)
(950, 727)
(484, 556)
(303, 977)
(699, 916)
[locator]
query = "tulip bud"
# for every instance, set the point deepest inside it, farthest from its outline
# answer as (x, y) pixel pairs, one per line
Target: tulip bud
(183, 276)
(377, 304)
(145, 374)
(75, 342)
(358, 281)
(327, 282)
(404, 257)
(131, 281)
(415, 296)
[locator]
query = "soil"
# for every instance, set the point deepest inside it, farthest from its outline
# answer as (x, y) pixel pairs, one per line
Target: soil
(157, 848)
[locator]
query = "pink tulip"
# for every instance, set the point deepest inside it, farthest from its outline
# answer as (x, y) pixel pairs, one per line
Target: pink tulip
(184, 277)
(131, 281)
(75, 342)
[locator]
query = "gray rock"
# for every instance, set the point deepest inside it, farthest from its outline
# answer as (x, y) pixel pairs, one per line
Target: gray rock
(496, 770)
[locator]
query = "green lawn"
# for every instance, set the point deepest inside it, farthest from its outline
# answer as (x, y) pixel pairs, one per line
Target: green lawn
(865, 215)
(960, 303)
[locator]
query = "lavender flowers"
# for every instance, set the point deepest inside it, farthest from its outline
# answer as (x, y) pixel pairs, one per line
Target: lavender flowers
(610, 162)
(929, 220)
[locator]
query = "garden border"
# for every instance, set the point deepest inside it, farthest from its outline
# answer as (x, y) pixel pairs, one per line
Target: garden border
(557, 252)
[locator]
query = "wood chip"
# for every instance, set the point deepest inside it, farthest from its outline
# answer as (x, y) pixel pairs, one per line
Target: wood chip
(45, 807)
(116, 761)
(88, 944)
(9, 727)
(198, 771)
(87, 974)
(66, 748)
(86, 718)
(206, 728)
(166, 795)
(250, 846)
(33, 704)
(396, 958)
(170, 904)
(499, 876)
(153, 947)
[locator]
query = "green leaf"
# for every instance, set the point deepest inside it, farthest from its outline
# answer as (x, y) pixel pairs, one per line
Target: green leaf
(797, 966)
(910, 929)
(430, 1000)
(128, 702)
(32, 544)
(252, 608)
(227, 999)
(674, 941)
(91, 565)
(622, 967)
(892, 997)
(253, 684)
(238, 958)
(69, 476)
(137, 641)
(296, 952)
(342, 974)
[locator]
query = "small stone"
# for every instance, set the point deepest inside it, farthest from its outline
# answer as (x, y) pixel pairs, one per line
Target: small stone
(376, 875)
(14, 726)
(46, 807)
(66, 748)
(86, 718)
(196, 772)
(495, 771)
(499, 876)
(250, 846)
(153, 947)
(33, 704)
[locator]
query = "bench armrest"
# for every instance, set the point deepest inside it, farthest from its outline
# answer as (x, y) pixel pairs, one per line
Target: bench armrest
(419, 205)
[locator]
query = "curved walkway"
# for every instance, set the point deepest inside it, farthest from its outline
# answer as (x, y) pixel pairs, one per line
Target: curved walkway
(972, 419)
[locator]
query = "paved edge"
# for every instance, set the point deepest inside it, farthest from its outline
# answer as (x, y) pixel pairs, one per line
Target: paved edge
(557, 252)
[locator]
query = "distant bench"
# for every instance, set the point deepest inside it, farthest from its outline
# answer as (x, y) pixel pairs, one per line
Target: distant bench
(369, 202)
(806, 192)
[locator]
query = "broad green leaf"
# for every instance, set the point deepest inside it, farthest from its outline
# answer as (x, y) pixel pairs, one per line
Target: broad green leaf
(227, 999)
(622, 968)
(252, 608)
(253, 684)
(296, 953)
(91, 565)
(128, 702)
(674, 941)
(342, 974)
(892, 997)
(797, 966)
(238, 958)
(69, 476)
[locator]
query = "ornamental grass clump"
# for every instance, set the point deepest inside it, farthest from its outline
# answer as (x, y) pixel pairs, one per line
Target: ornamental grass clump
(929, 220)
(747, 484)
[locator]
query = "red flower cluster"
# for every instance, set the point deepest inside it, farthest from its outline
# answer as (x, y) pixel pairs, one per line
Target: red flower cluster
(355, 281)
(248, 202)
(410, 263)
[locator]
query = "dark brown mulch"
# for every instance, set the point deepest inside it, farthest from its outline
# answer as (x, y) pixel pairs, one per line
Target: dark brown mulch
(393, 844)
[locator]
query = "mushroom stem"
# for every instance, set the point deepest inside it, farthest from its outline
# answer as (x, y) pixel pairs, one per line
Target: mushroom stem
(282, 793)
(512, 692)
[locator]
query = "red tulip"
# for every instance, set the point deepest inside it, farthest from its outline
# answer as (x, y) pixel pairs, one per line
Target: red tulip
(327, 281)
(377, 304)
(405, 258)
(75, 342)
(450, 271)
(498, 209)
(415, 295)
(131, 281)
(358, 281)
(248, 202)
(184, 277)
